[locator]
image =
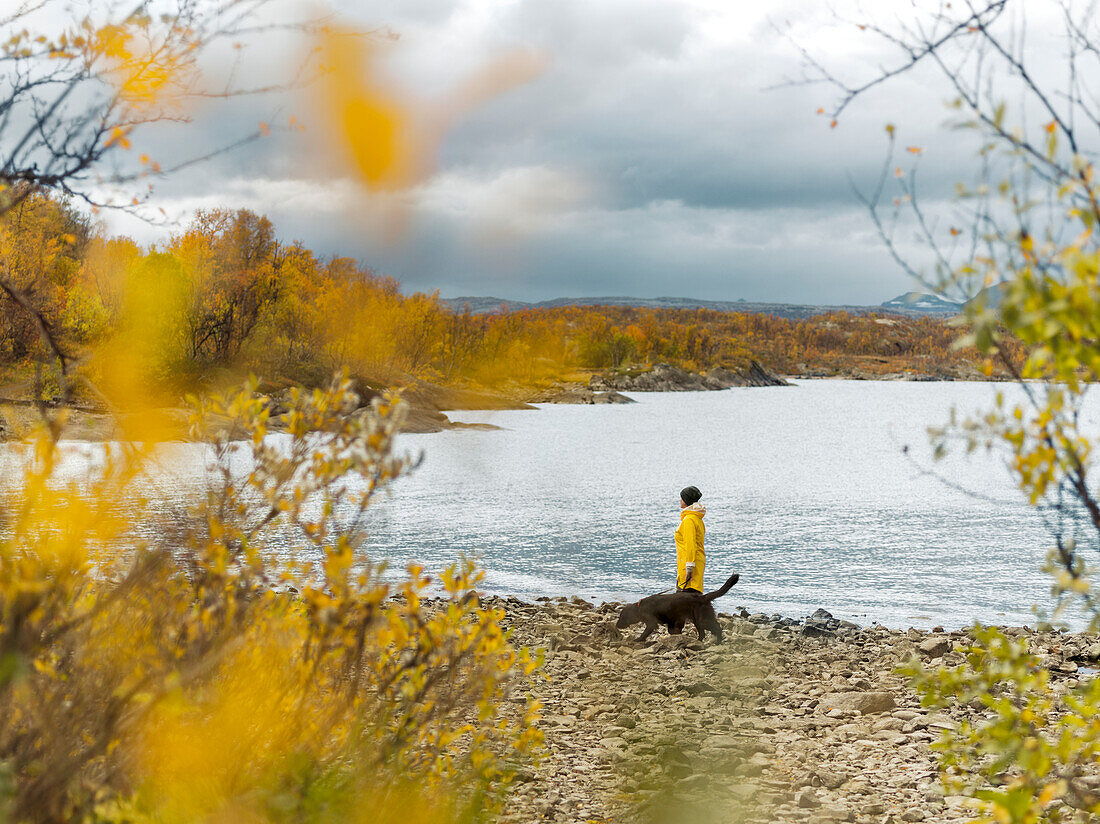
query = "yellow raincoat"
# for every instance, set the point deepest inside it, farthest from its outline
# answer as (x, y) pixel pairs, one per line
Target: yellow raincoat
(689, 547)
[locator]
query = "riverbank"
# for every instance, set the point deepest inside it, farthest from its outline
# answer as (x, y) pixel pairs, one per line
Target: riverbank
(783, 721)
(86, 421)
(429, 403)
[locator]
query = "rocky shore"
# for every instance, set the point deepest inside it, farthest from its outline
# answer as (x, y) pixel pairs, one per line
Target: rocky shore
(783, 721)
(666, 378)
(607, 387)
(429, 403)
(578, 394)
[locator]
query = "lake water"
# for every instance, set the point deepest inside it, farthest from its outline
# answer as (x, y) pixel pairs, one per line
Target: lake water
(808, 493)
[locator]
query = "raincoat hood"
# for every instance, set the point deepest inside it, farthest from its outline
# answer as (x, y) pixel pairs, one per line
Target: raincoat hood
(696, 507)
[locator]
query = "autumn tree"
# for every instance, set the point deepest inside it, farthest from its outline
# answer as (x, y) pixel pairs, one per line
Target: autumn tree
(42, 242)
(77, 92)
(416, 331)
(463, 336)
(296, 326)
(234, 264)
(103, 269)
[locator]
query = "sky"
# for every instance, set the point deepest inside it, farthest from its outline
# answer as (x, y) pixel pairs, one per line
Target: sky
(659, 151)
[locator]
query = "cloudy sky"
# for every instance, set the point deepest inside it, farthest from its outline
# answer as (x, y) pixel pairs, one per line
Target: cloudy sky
(656, 153)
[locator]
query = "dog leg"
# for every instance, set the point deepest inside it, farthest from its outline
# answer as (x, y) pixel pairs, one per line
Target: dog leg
(650, 626)
(706, 622)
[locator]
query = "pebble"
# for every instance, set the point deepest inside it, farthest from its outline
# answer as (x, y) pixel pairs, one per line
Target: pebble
(774, 724)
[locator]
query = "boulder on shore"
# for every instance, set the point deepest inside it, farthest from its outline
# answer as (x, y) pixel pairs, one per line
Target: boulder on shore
(866, 703)
(935, 646)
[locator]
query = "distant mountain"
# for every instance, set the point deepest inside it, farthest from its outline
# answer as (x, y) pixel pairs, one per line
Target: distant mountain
(483, 305)
(990, 296)
(923, 303)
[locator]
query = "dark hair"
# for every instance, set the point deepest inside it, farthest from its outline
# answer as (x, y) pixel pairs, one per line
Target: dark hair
(690, 494)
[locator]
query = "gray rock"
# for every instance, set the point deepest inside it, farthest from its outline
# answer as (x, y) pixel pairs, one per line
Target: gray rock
(827, 815)
(587, 396)
(935, 647)
(807, 799)
(831, 779)
(864, 702)
(698, 688)
(606, 631)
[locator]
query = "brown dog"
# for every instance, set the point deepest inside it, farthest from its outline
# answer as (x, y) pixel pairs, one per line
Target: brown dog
(673, 611)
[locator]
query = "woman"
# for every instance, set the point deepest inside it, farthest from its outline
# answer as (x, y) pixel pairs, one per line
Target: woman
(690, 558)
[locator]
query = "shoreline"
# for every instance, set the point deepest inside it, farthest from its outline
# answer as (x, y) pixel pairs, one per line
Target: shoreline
(819, 616)
(428, 413)
(770, 725)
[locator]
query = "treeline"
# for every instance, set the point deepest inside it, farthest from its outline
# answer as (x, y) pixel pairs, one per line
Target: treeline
(226, 296)
(613, 336)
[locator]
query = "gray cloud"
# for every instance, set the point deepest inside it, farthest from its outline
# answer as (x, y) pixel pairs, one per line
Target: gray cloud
(651, 158)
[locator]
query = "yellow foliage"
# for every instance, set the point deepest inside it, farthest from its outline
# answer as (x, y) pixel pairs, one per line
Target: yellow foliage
(388, 136)
(368, 120)
(143, 70)
(195, 676)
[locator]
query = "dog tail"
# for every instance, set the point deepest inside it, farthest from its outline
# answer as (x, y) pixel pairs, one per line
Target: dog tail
(718, 593)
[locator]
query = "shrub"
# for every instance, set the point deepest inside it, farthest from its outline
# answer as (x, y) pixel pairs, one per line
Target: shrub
(199, 677)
